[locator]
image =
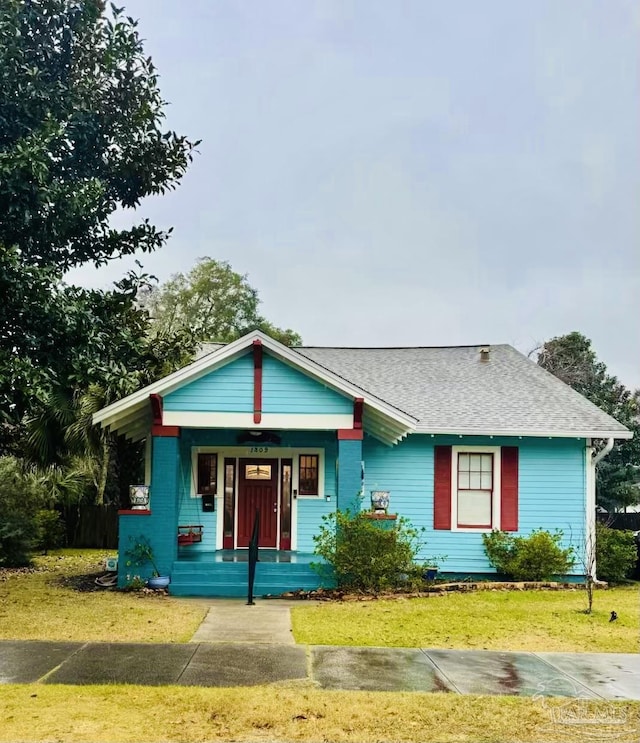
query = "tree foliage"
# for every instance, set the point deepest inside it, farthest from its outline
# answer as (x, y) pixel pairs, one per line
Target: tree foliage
(21, 497)
(616, 553)
(80, 133)
(209, 303)
(81, 136)
(572, 359)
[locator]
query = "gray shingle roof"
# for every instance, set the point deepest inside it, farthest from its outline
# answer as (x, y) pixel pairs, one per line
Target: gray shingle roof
(451, 390)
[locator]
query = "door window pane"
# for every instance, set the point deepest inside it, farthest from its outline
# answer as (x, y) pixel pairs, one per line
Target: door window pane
(257, 472)
(285, 512)
(229, 500)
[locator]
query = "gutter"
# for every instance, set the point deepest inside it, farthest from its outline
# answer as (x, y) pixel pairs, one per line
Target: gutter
(603, 452)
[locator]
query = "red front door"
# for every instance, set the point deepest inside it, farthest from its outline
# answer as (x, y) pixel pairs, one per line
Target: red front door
(258, 490)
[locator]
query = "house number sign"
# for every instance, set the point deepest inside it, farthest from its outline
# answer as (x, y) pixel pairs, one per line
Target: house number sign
(258, 450)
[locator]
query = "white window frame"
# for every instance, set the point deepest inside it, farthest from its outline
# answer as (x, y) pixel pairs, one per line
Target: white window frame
(495, 496)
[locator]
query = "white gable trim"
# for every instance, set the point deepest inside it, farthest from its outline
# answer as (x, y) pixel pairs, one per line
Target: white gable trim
(397, 423)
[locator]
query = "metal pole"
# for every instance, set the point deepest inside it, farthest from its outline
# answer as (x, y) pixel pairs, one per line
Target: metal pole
(253, 557)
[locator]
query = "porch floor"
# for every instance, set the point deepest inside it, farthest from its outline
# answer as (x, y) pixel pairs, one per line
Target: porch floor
(187, 554)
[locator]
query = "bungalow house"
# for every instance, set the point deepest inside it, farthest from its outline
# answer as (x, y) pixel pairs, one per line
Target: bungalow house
(463, 439)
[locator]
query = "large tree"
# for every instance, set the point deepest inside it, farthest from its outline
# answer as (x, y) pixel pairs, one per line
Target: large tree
(572, 359)
(81, 136)
(209, 303)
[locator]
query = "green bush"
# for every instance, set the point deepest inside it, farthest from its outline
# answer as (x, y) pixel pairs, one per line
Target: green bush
(536, 557)
(616, 553)
(361, 554)
(50, 530)
(20, 499)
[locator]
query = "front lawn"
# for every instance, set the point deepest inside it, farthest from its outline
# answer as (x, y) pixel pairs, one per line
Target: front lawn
(295, 712)
(535, 620)
(59, 601)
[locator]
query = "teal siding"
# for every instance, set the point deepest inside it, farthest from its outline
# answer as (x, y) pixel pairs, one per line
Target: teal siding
(190, 508)
(286, 390)
(551, 492)
(161, 526)
(552, 487)
(349, 474)
(311, 510)
(229, 389)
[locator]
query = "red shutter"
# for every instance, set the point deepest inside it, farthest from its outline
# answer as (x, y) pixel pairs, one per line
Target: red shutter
(442, 488)
(509, 488)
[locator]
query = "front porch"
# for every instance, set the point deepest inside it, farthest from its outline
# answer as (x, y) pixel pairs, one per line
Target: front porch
(225, 572)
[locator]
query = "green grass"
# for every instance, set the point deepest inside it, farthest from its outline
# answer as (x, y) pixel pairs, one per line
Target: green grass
(54, 603)
(292, 712)
(493, 620)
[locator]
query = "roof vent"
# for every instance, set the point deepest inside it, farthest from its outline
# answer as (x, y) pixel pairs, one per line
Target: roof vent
(484, 353)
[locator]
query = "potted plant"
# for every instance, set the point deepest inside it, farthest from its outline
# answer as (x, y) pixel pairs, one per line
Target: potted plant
(140, 553)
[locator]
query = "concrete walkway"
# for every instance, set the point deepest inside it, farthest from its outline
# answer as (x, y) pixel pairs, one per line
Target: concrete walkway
(231, 620)
(238, 645)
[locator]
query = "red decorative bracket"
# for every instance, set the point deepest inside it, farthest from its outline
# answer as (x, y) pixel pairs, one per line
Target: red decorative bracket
(358, 405)
(156, 409)
(257, 380)
(350, 434)
(165, 431)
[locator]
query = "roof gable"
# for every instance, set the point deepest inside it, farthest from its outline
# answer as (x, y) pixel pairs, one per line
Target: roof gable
(131, 417)
(448, 390)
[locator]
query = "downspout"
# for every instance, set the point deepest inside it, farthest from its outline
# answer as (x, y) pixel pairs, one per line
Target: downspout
(603, 452)
(591, 505)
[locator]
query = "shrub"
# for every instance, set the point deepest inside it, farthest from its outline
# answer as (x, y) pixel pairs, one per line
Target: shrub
(536, 557)
(616, 553)
(362, 555)
(20, 499)
(50, 530)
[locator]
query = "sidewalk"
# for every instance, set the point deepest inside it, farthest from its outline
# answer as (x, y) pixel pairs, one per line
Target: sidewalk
(239, 645)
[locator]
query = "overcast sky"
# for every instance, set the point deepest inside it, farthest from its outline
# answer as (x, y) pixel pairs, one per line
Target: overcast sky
(409, 173)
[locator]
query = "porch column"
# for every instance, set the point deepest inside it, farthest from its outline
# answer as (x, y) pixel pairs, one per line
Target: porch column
(159, 524)
(349, 469)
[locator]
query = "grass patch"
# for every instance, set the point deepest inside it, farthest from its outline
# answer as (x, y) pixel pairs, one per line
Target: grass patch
(289, 712)
(56, 601)
(485, 620)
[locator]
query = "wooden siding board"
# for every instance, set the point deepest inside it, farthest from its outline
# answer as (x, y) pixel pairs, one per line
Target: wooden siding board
(225, 390)
(287, 390)
(229, 389)
(551, 492)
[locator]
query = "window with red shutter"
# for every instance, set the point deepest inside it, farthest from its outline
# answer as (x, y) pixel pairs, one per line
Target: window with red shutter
(475, 488)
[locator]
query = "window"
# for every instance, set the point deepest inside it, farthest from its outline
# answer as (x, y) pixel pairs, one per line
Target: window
(475, 489)
(308, 474)
(207, 474)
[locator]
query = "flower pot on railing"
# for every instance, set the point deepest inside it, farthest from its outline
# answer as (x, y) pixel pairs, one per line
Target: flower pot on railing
(139, 497)
(379, 501)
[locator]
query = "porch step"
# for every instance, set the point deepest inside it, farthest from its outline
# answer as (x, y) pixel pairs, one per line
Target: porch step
(230, 579)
